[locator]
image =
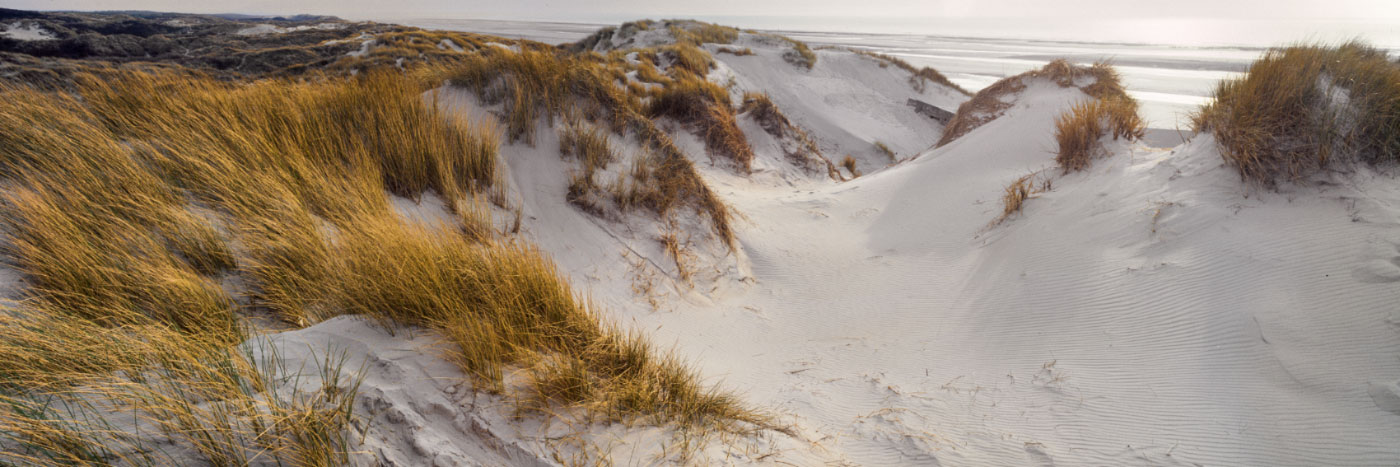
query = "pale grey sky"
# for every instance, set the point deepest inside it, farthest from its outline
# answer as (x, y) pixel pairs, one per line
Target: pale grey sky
(593, 11)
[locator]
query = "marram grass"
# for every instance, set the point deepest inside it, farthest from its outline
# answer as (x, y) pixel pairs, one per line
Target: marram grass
(1307, 108)
(130, 207)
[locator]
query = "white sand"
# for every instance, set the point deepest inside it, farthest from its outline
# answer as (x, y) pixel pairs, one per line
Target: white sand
(1152, 310)
(510, 47)
(847, 102)
(365, 46)
(414, 408)
(26, 31)
(261, 29)
(448, 44)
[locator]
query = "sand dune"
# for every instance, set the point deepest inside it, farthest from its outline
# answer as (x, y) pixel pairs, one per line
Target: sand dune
(1151, 310)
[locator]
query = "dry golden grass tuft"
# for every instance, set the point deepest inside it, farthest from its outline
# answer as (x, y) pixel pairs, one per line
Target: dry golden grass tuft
(688, 58)
(217, 404)
(405, 48)
(765, 112)
(631, 28)
(744, 52)
(600, 39)
(798, 146)
(1079, 131)
(697, 32)
(800, 54)
(850, 164)
(675, 248)
(534, 85)
(1098, 80)
(647, 72)
(505, 306)
(1016, 194)
(590, 145)
(122, 211)
(685, 95)
(593, 150)
(705, 106)
(889, 153)
(1305, 108)
(433, 42)
(667, 179)
(682, 31)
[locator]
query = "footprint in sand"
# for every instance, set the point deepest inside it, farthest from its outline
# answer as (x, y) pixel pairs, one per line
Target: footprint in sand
(1377, 271)
(863, 213)
(1386, 396)
(1380, 270)
(1035, 452)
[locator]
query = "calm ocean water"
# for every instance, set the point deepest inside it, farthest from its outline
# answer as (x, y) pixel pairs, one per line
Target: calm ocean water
(1169, 64)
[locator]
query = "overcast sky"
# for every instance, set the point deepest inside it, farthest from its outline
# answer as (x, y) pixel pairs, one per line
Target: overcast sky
(593, 11)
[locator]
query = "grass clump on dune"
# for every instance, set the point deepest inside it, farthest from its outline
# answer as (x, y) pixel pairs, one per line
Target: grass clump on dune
(1080, 130)
(849, 163)
(706, 106)
(121, 214)
(744, 52)
(1306, 108)
(92, 228)
(201, 400)
(884, 149)
(533, 85)
(689, 58)
(593, 150)
(647, 72)
(589, 145)
(1099, 80)
(682, 31)
(600, 39)
(405, 48)
(505, 306)
(765, 112)
(130, 207)
(1015, 195)
(800, 55)
(798, 146)
(697, 32)
(667, 179)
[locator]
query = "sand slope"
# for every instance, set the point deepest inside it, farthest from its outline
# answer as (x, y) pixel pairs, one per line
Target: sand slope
(1151, 310)
(1146, 311)
(847, 102)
